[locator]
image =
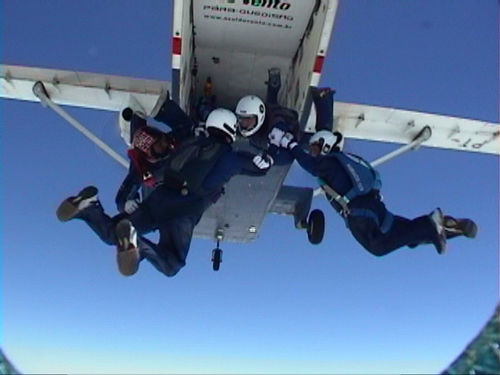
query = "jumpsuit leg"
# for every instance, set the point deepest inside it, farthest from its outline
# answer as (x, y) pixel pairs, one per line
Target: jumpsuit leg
(173, 116)
(324, 113)
(175, 217)
(100, 222)
(169, 255)
(402, 232)
(142, 220)
(324, 109)
(104, 226)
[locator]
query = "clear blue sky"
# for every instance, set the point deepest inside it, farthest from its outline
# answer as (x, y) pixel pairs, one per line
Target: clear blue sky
(277, 304)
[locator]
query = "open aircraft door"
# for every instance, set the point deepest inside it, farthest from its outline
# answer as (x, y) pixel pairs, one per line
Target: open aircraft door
(234, 43)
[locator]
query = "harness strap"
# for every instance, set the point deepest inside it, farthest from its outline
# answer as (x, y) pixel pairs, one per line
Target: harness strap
(332, 195)
(345, 211)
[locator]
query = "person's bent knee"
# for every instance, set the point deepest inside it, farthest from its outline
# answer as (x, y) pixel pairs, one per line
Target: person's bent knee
(174, 270)
(377, 252)
(377, 249)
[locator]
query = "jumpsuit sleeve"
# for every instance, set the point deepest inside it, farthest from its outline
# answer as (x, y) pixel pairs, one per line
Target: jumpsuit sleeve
(247, 166)
(231, 164)
(129, 189)
(306, 161)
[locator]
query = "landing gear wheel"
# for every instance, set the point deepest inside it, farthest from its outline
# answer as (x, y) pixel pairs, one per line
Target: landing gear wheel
(216, 258)
(315, 226)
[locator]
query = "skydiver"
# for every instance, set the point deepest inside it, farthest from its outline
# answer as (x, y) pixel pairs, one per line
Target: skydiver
(352, 186)
(170, 210)
(150, 148)
(258, 119)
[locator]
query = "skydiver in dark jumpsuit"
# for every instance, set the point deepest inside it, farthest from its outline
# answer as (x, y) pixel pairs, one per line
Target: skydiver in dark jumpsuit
(164, 208)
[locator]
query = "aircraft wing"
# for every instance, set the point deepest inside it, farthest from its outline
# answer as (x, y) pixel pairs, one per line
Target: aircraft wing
(89, 90)
(400, 126)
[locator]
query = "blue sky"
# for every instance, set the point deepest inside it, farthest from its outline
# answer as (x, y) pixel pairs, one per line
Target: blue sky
(278, 304)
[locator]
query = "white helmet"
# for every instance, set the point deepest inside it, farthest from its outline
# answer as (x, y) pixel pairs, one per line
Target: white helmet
(326, 139)
(224, 120)
(250, 107)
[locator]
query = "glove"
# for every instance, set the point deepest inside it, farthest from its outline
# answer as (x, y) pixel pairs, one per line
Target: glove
(130, 206)
(275, 136)
(200, 130)
(263, 161)
(288, 141)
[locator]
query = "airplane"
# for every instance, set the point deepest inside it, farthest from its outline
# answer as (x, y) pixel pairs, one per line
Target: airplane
(233, 43)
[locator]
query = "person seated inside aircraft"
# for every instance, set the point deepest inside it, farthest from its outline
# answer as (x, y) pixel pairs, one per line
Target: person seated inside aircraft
(173, 212)
(352, 186)
(206, 103)
(256, 119)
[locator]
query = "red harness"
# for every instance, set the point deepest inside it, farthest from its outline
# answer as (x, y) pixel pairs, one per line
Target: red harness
(142, 166)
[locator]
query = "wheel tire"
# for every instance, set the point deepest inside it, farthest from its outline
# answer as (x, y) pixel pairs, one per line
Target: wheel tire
(316, 226)
(216, 259)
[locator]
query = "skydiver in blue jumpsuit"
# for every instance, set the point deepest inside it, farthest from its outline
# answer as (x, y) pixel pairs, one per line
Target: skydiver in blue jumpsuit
(353, 188)
(165, 208)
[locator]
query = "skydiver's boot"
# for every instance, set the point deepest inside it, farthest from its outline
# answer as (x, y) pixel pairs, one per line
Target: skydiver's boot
(71, 206)
(459, 227)
(454, 227)
(127, 255)
(274, 78)
(439, 239)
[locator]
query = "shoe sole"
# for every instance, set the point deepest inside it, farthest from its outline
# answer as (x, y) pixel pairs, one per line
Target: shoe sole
(122, 231)
(465, 227)
(440, 242)
(127, 256)
(68, 209)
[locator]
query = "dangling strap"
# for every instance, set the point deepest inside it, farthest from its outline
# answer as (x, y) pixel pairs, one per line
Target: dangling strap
(341, 201)
(333, 196)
